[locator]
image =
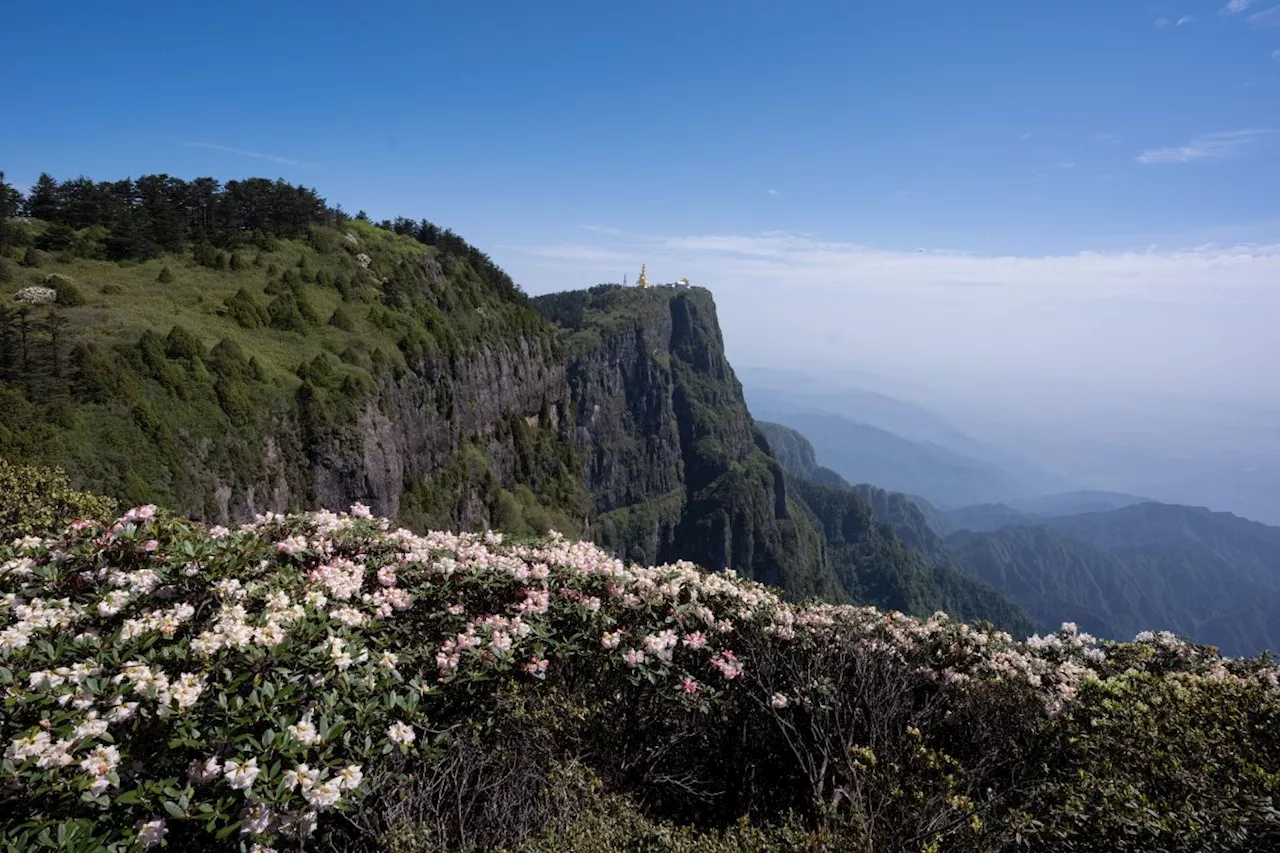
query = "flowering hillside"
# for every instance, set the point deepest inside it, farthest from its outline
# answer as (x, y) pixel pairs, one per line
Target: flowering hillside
(321, 681)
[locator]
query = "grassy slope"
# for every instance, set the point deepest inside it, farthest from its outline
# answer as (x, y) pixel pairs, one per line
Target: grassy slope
(147, 435)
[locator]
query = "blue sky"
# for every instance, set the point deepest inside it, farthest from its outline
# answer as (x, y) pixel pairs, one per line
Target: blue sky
(955, 184)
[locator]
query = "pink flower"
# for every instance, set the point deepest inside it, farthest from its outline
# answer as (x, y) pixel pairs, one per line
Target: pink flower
(689, 685)
(696, 640)
(150, 545)
(633, 657)
(359, 510)
(81, 524)
(536, 666)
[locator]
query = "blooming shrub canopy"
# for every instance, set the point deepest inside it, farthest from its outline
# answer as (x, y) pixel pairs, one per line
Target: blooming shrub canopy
(168, 683)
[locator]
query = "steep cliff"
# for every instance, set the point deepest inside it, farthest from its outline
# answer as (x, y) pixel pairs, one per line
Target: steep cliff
(674, 462)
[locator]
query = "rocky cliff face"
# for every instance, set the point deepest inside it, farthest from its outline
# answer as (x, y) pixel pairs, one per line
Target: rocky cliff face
(675, 465)
(410, 428)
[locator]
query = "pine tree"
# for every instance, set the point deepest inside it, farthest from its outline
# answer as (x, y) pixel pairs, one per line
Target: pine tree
(10, 202)
(166, 276)
(31, 258)
(43, 202)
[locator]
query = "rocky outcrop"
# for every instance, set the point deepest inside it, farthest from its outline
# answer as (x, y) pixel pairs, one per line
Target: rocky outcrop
(414, 423)
(671, 456)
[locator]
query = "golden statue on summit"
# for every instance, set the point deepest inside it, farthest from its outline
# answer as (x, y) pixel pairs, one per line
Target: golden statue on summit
(643, 280)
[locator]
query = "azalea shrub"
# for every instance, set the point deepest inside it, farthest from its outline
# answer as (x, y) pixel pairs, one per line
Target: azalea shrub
(322, 681)
(39, 501)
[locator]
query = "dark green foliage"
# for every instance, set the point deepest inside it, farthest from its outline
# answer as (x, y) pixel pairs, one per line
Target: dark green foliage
(30, 258)
(38, 501)
(42, 201)
(227, 359)
(341, 320)
(1213, 577)
(165, 276)
(6, 271)
(158, 213)
(237, 263)
(182, 344)
(57, 238)
(245, 310)
(69, 296)
(1158, 763)
(10, 204)
(233, 398)
(284, 313)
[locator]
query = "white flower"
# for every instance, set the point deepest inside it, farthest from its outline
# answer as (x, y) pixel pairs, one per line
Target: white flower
(240, 774)
(205, 771)
(350, 777)
(256, 819)
(37, 295)
(121, 710)
(90, 728)
(303, 776)
(779, 700)
(325, 795)
(401, 733)
(304, 733)
(270, 634)
(113, 602)
(348, 616)
(152, 832)
(611, 640)
(101, 761)
(389, 660)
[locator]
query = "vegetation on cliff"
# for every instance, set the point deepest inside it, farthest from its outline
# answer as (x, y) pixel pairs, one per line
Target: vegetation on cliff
(235, 348)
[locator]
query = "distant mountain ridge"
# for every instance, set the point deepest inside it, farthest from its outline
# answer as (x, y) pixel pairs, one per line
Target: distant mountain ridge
(928, 579)
(1210, 576)
(865, 454)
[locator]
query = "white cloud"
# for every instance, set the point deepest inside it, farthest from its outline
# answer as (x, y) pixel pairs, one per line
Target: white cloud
(1024, 137)
(1105, 137)
(1185, 19)
(773, 192)
(1275, 54)
(1066, 164)
(1161, 23)
(272, 157)
(787, 260)
(1266, 18)
(1176, 319)
(1212, 146)
(1235, 7)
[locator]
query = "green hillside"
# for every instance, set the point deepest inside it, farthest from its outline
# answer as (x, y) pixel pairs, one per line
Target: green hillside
(228, 350)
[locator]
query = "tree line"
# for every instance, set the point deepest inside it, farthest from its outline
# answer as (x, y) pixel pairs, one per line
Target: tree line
(154, 214)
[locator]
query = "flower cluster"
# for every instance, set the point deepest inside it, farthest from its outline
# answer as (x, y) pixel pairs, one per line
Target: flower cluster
(151, 649)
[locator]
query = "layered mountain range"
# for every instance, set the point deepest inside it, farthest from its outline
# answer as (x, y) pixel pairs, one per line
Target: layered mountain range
(1210, 576)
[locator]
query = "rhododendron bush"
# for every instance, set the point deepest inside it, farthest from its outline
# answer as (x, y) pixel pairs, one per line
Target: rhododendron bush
(298, 679)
